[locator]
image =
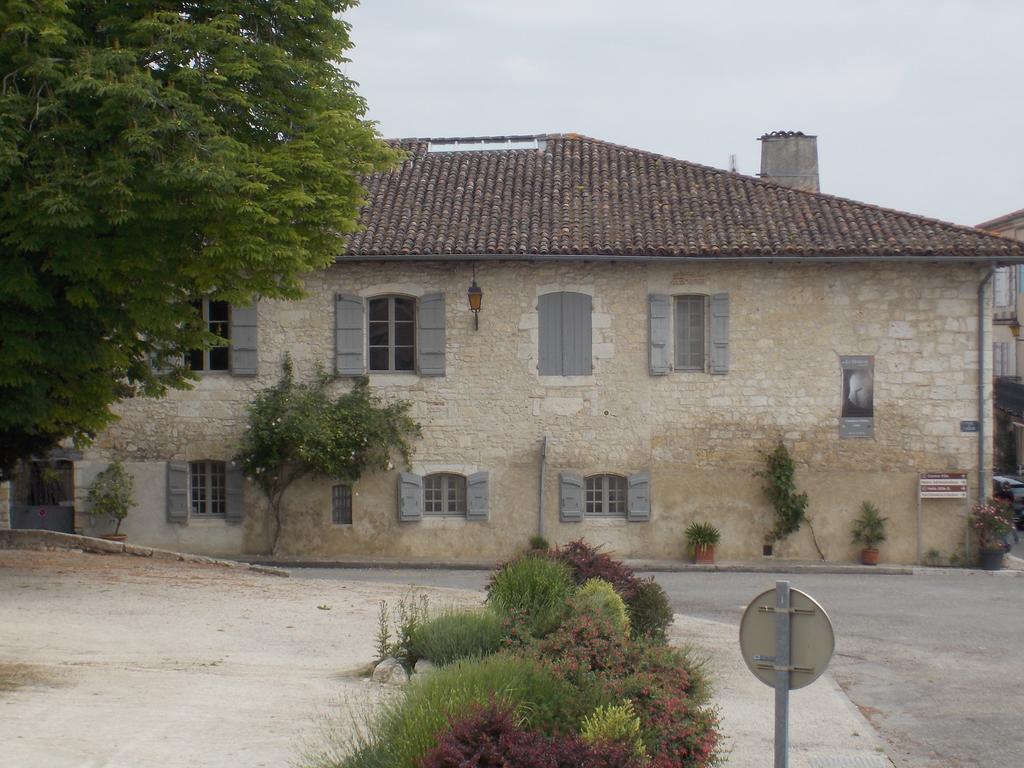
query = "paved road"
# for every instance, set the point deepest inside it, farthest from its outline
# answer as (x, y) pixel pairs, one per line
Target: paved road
(934, 661)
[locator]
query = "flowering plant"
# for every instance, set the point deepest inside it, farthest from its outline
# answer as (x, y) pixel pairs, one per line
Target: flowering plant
(991, 522)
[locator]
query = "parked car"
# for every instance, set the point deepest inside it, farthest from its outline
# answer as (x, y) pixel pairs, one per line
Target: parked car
(1016, 490)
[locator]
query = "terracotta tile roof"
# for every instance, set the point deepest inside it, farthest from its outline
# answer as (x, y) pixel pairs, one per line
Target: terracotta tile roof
(580, 196)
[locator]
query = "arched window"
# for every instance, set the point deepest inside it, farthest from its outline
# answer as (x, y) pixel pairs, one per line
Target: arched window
(606, 496)
(392, 333)
(444, 494)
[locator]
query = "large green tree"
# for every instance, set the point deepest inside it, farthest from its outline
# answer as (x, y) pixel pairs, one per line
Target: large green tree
(152, 154)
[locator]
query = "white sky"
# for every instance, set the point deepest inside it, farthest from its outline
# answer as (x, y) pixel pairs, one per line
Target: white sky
(917, 104)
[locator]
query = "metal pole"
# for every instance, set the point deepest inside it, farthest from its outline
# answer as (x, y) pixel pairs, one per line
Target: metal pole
(782, 664)
(983, 482)
(917, 492)
(543, 471)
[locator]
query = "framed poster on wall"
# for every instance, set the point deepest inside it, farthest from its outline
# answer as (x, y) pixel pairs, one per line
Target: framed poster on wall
(857, 414)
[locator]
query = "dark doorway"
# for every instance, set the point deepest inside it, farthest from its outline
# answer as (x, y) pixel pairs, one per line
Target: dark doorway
(44, 496)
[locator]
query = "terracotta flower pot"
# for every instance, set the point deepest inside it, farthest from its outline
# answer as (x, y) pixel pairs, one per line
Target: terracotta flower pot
(704, 555)
(115, 536)
(869, 556)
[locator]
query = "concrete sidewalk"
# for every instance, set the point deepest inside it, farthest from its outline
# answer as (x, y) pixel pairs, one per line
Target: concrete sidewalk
(826, 729)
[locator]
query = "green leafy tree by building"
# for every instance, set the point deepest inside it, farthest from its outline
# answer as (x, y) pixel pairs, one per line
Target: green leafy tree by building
(153, 154)
(297, 429)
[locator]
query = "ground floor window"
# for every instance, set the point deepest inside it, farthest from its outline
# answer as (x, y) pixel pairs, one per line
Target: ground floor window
(207, 488)
(341, 505)
(606, 496)
(444, 494)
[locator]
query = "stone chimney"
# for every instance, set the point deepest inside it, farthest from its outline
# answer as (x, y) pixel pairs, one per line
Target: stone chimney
(790, 158)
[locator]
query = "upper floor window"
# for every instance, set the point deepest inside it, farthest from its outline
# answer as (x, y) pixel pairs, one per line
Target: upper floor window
(564, 334)
(208, 488)
(1003, 287)
(392, 334)
(217, 316)
(606, 496)
(388, 334)
(444, 494)
(690, 333)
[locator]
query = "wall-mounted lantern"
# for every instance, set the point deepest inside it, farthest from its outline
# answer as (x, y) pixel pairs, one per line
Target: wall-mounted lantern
(475, 295)
(1015, 328)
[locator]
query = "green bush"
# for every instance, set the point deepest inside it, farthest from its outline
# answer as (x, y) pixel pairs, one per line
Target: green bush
(615, 723)
(412, 610)
(650, 612)
(598, 596)
(455, 635)
(533, 590)
(406, 728)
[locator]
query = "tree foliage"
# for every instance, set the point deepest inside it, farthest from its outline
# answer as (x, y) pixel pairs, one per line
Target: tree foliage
(297, 429)
(112, 494)
(152, 154)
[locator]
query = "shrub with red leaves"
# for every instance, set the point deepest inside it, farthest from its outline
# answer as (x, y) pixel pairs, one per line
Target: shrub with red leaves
(491, 738)
(584, 645)
(589, 562)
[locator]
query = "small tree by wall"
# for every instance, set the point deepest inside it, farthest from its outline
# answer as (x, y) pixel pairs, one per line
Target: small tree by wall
(296, 429)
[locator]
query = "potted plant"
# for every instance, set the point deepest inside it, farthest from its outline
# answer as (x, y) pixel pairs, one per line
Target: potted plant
(869, 529)
(991, 523)
(112, 495)
(701, 539)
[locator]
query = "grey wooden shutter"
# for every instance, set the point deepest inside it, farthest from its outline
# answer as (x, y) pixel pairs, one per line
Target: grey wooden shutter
(639, 501)
(660, 332)
(720, 333)
(570, 497)
(431, 335)
(549, 332)
(577, 341)
(410, 497)
(235, 487)
(244, 341)
(478, 496)
(348, 335)
(177, 491)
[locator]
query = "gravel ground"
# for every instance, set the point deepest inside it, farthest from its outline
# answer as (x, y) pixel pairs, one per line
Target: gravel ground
(114, 660)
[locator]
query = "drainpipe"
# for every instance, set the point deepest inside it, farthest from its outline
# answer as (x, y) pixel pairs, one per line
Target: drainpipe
(982, 483)
(543, 470)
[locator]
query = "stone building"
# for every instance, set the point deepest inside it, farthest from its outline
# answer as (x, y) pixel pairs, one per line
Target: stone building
(649, 329)
(1007, 363)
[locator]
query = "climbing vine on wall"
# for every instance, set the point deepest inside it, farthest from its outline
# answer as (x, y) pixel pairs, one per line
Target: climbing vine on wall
(790, 505)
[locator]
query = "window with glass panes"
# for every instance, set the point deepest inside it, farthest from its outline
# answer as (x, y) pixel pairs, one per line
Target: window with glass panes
(217, 316)
(207, 487)
(690, 333)
(606, 496)
(444, 494)
(341, 505)
(392, 334)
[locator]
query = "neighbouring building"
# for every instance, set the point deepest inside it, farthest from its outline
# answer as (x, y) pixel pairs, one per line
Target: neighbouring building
(1007, 364)
(649, 329)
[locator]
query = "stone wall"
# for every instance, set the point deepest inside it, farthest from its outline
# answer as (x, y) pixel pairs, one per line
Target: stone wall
(702, 437)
